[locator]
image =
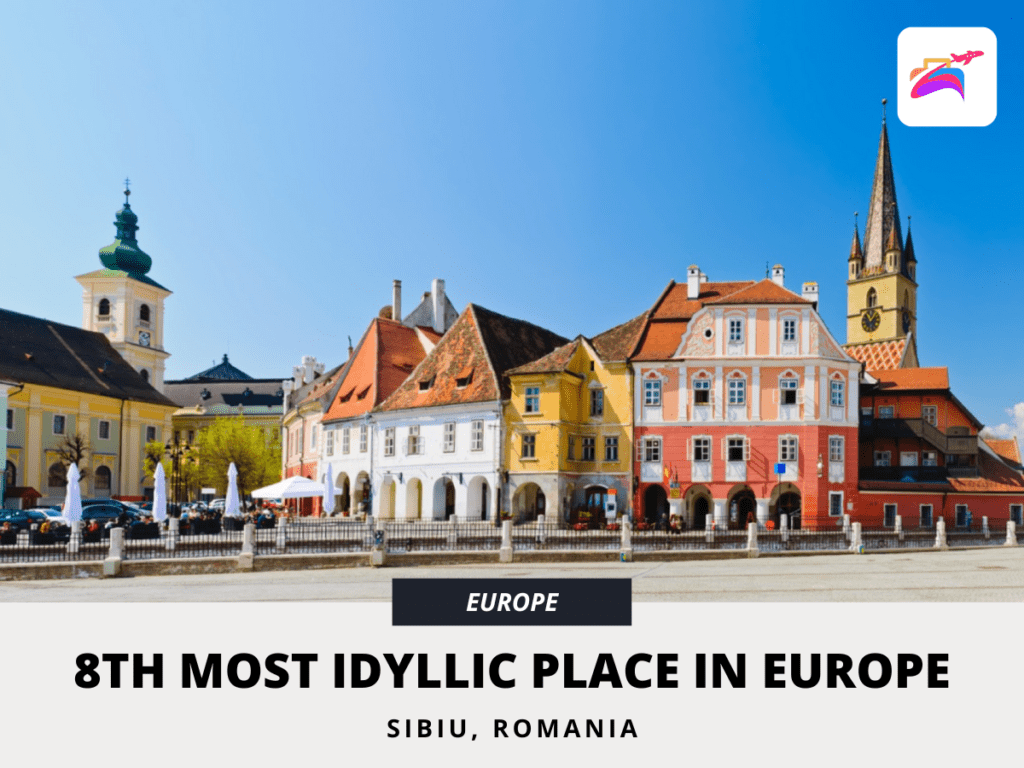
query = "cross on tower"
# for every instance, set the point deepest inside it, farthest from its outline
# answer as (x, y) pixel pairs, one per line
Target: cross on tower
(127, 191)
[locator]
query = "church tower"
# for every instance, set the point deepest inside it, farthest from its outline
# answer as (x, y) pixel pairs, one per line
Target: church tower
(124, 303)
(881, 287)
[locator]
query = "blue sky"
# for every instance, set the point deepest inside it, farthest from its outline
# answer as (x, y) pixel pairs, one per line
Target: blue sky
(559, 162)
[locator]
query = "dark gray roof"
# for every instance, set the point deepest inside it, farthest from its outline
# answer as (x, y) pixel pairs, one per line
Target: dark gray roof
(38, 351)
(254, 395)
(223, 371)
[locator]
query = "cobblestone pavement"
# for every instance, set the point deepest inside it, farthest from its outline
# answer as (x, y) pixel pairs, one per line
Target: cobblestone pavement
(995, 574)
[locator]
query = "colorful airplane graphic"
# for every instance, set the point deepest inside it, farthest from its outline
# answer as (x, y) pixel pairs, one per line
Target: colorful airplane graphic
(943, 76)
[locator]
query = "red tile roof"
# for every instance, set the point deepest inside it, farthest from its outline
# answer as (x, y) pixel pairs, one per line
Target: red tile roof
(1008, 449)
(674, 305)
(553, 362)
(763, 292)
(661, 340)
(912, 378)
(995, 477)
(618, 343)
(879, 355)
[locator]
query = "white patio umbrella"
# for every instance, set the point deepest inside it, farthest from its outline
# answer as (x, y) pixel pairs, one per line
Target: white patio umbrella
(73, 497)
(159, 494)
(296, 487)
(231, 505)
(328, 491)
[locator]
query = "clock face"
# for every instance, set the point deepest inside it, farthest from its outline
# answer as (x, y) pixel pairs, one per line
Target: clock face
(870, 320)
(144, 338)
(906, 320)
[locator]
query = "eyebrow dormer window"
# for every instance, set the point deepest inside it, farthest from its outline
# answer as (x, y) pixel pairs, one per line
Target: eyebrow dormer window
(464, 379)
(426, 384)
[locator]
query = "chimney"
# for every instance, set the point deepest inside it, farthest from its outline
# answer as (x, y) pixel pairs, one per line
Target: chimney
(309, 368)
(396, 301)
(779, 275)
(287, 386)
(297, 373)
(439, 304)
(811, 294)
(693, 282)
(350, 350)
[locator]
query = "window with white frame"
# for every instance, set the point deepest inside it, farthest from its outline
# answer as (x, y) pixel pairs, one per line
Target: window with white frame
(415, 445)
(1017, 513)
(930, 413)
(597, 402)
(103, 429)
(883, 458)
(346, 443)
(59, 423)
(363, 429)
(652, 449)
(150, 434)
(477, 435)
(652, 392)
(570, 451)
(889, 516)
(735, 330)
(926, 516)
(836, 449)
(789, 329)
(929, 458)
(886, 411)
(330, 442)
(702, 449)
(838, 398)
(529, 447)
(587, 452)
(908, 458)
(737, 448)
(835, 504)
(737, 392)
(449, 437)
(10, 419)
(611, 449)
(788, 388)
(389, 441)
(532, 400)
(701, 391)
(787, 448)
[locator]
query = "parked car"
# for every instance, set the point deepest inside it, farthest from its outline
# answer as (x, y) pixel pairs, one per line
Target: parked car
(217, 505)
(54, 513)
(25, 519)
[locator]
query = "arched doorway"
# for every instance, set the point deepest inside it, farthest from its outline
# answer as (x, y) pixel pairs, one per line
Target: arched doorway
(697, 507)
(478, 499)
(413, 499)
(444, 499)
(786, 500)
(655, 505)
(742, 506)
(528, 502)
(361, 496)
(343, 495)
(386, 504)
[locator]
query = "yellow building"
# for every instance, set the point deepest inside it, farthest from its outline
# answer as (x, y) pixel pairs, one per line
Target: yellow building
(568, 445)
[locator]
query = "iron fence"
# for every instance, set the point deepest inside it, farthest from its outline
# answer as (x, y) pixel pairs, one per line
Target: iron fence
(34, 547)
(533, 536)
(438, 536)
(310, 538)
(827, 540)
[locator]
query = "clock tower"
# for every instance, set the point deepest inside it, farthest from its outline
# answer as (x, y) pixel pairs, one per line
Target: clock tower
(124, 303)
(881, 287)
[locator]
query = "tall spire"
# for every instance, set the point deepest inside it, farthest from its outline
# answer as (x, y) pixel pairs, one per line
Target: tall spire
(908, 250)
(883, 213)
(855, 251)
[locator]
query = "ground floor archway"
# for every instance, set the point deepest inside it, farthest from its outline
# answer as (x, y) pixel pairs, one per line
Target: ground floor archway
(786, 500)
(655, 506)
(528, 502)
(413, 498)
(741, 506)
(698, 506)
(386, 500)
(478, 499)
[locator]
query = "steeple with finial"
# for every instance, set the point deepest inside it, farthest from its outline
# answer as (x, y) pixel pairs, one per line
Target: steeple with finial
(856, 254)
(883, 225)
(124, 253)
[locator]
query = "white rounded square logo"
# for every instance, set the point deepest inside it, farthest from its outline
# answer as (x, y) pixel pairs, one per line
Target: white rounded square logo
(946, 76)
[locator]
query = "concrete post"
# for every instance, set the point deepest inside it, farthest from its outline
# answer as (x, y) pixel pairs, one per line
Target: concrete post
(856, 544)
(784, 526)
(112, 565)
(379, 546)
(541, 522)
(752, 550)
(1011, 534)
(709, 529)
(940, 534)
(721, 515)
(762, 512)
(505, 553)
(281, 540)
(453, 533)
(984, 527)
(248, 554)
(846, 526)
(76, 536)
(626, 541)
(173, 530)
(898, 527)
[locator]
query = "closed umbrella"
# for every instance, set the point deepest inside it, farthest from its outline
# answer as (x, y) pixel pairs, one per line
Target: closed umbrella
(73, 506)
(159, 494)
(231, 505)
(328, 491)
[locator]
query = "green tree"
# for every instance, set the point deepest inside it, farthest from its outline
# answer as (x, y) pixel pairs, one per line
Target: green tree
(153, 454)
(256, 454)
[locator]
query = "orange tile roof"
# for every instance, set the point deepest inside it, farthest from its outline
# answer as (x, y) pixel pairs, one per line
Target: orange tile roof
(553, 362)
(1008, 449)
(995, 477)
(763, 292)
(674, 303)
(619, 342)
(912, 378)
(879, 355)
(661, 340)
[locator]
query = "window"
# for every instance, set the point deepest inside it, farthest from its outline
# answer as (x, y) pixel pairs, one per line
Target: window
(426, 384)
(529, 446)
(389, 441)
(963, 516)
(735, 330)
(10, 419)
(415, 444)
(104, 310)
(363, 429)
(532, 400)
(101, 479)
(838, 394)
(872, 300)
(908, 458)
(701, 391)
(145, 375)
(588, 449)
(597, 402)
(1017, 513)
(150, 434)
(930, 413)
(330, 442)
(789, 329)
(57, 477)
(449, 437)
(929, 458)
(58, 424)
(144, 313)
(103, 429)
(787, 448)
(883, 458)
(889, 516)
(702, 449)
(835, 504)
(737, 392)
(464, 380)
(926, 516)
(345, 440)
(835, 449)
(736, 449)
(611, 449)
(312, 437)
(477, 443)
(886, 411)
(570, 451)
(788, 387)
(652, 392)
(191, 436)
(652, 449)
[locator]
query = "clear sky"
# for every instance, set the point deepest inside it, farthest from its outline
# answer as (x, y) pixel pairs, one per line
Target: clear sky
(558, 162)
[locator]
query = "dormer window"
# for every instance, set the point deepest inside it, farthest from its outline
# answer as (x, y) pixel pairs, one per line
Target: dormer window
(363, 392)
(426, 384)
(104, 308)
(347, 396)
(464, 378)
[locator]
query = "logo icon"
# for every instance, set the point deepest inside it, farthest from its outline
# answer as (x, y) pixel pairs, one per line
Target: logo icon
(926, 71)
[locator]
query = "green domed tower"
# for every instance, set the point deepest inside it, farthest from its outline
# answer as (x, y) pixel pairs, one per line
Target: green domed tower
(124, 303)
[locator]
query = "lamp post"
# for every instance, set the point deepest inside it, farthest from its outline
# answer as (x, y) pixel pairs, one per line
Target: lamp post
(175, 450)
